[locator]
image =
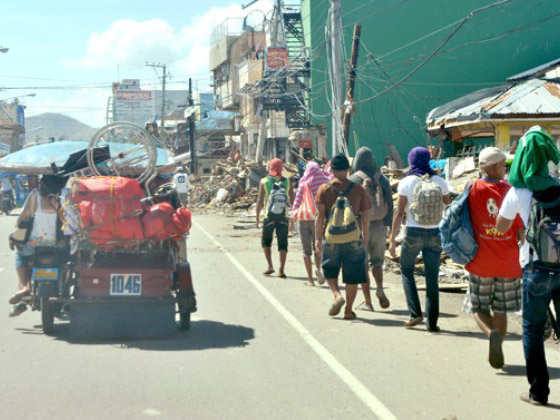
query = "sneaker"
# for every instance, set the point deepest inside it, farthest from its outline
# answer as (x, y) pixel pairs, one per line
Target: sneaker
(412, 322)
(495, 354)
(320, 277)
(18, 310)
(525, 396)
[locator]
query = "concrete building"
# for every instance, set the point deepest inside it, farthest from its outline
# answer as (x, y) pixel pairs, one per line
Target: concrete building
(397, 37)
(12, 127)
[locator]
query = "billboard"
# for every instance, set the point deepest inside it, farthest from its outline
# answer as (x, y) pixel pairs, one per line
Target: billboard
(130, 103)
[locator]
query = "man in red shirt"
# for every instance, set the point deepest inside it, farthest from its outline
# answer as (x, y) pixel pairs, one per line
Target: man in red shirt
(494, 272)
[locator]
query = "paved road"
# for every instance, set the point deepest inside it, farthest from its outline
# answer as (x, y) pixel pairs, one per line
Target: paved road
(263, 348)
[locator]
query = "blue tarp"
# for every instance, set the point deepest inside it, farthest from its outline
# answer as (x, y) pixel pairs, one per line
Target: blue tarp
(43, 155)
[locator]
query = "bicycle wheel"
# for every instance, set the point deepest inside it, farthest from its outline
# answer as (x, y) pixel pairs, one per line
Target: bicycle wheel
(132, 149)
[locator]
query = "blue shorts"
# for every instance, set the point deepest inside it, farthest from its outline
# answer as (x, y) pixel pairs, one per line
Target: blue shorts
(23, 256)
(350, 257)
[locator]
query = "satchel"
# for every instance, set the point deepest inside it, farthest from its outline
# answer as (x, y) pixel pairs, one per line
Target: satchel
(307, 210)
(22, 233)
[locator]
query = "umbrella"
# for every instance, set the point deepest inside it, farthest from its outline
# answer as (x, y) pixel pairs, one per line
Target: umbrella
(38, 159)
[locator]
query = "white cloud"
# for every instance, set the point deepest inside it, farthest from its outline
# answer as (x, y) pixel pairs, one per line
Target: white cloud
(130, 43)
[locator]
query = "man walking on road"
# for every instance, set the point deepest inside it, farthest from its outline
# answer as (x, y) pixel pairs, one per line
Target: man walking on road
(535, 196)
(495, 289)
(422, 195)
(275, 194)
(366, 172)
(340, 204)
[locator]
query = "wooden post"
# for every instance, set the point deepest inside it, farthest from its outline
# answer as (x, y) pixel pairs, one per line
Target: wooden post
(347, 113)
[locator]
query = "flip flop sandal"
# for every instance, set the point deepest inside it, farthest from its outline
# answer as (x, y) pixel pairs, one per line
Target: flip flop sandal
(337, 306)
(268, 272)
(282, 276)
(18, 297)
(350, 317)
(365, 307)
(308, 284)
(383, 301)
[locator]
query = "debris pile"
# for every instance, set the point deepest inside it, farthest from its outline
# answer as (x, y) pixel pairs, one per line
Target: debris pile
(233, 186)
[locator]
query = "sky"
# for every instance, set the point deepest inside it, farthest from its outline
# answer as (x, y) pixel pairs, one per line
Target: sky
(68, 52)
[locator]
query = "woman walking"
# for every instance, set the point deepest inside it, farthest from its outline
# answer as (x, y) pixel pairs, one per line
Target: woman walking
(309, 183)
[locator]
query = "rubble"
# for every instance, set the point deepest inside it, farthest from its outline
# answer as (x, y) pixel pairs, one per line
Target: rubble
(232, 188)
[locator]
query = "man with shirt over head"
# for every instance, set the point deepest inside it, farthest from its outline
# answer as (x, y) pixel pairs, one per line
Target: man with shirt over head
(273, 186)
(533, 188)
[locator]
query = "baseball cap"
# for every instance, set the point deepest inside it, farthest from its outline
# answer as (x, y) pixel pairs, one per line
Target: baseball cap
(490, 156)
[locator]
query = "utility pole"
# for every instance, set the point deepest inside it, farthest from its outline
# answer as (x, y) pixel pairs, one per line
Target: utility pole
(163, 136)
(348, 104)
(192, 140)
(336, 74)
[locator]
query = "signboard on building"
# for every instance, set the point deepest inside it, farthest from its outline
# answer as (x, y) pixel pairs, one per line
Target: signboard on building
(21, 116)
(305, 144)
(134, 95)
(276, 58)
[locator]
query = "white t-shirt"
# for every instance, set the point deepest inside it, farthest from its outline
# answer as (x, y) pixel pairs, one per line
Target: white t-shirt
(518, 201)
(406, 188)
(182, 183)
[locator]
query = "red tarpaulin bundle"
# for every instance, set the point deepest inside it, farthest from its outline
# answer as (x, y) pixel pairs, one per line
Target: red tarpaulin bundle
(163, 221)
(110, 208)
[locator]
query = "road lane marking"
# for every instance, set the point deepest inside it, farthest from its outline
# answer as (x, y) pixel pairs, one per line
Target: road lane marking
(358, 388)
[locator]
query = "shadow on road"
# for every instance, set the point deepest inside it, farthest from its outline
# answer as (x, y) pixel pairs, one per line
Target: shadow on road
(519, 370)
(402, 312)
(203, 335)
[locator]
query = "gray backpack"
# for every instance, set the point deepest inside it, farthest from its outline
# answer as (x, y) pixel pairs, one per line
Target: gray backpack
(427, 204)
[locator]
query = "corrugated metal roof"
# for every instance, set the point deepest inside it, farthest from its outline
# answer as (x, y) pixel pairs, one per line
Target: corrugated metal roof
(534, 97)
(532, 72)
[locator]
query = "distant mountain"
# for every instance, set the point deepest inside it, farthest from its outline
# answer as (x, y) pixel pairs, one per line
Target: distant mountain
(40, 127)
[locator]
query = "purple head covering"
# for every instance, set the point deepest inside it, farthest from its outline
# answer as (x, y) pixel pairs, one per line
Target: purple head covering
(419, 161)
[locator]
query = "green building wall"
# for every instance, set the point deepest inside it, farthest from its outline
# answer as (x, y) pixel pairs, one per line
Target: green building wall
(398, 34)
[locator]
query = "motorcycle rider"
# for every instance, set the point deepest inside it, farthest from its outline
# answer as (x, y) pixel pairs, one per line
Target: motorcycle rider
(40, 213)
(7, 185)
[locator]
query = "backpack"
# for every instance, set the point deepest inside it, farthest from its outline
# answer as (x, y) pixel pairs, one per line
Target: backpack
(277, 200)
(543, 233)
(379, 207)
(457, 235)
(427, 204)
(342, 226)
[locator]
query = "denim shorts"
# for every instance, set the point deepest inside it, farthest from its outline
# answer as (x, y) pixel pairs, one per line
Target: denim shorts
(23, 256)
(351, 257)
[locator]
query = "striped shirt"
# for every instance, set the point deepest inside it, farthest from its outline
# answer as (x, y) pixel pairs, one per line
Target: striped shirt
(313, 184)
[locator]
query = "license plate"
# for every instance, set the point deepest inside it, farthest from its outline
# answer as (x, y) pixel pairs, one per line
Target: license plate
(126, 285)
(44, 274)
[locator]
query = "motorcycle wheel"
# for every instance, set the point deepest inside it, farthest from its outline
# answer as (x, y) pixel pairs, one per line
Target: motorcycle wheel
(47, 315)
(185, 321)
